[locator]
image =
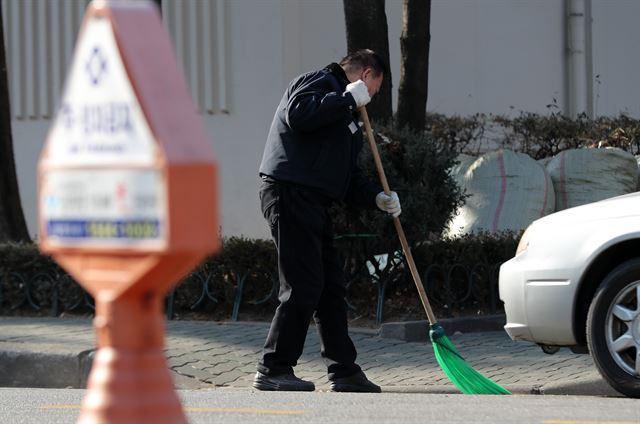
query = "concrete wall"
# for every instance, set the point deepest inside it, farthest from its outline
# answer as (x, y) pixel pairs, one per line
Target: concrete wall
(616, 80)
(492, 56)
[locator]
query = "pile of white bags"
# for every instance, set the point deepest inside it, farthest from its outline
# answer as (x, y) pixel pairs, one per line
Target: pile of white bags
(582, 176)
(638, 161)
(507, 191)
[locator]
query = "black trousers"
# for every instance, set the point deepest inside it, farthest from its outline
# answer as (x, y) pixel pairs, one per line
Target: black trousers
(311, 282)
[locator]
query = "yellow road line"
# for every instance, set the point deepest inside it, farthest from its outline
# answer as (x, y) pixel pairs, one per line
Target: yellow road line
(249, 411)
(219, 410)
(587, 422)
(60, 407)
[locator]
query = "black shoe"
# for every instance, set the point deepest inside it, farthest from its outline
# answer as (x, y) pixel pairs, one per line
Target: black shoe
(282, 382)
(354, 383)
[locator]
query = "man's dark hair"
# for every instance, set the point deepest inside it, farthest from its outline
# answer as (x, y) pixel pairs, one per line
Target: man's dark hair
(362, 59)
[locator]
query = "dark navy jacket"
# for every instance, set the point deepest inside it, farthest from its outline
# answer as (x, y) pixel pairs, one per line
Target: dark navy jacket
(315, 139)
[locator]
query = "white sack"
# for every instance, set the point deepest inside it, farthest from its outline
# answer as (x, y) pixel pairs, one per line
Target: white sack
(507, 191)
(582, 176)
(464, 162)
(638, 162)
(545, 161)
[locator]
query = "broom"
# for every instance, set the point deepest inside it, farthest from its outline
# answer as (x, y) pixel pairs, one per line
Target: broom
(461, 374)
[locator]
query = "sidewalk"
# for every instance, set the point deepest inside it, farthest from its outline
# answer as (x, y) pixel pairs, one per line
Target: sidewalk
(54, 352)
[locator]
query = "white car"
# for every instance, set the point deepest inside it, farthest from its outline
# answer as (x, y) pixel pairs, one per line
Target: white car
(575, 282)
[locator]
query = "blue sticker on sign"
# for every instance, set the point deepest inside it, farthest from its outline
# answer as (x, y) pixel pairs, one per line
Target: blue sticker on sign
(139, 229)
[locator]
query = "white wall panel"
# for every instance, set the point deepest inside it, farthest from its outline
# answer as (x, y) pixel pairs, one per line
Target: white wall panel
(198, 29)
(616, 35)
(495, 56)
(39, 39)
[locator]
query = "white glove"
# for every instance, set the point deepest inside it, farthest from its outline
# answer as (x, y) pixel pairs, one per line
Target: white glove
(389, 204)
(360, 92)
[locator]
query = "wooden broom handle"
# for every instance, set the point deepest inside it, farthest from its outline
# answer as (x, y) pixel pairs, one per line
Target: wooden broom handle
(396, 221)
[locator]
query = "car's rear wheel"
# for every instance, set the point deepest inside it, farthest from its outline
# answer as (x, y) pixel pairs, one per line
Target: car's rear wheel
(613, 328)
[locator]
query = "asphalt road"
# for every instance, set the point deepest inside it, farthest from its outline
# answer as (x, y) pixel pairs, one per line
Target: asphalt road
(248, 406)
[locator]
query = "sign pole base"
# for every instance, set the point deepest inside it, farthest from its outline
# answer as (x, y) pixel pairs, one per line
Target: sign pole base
(130, 381)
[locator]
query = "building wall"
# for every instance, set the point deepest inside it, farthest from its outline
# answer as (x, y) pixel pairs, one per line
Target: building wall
(495, 56)
(616, 80)
(491, 56)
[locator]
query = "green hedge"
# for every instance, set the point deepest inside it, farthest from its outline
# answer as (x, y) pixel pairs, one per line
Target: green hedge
(539, 136)
(22, 267)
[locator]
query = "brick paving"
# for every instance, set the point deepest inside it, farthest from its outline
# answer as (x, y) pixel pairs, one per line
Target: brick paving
(225, 354)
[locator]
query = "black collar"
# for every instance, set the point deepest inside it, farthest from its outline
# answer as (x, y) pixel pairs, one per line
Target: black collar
(338, 72)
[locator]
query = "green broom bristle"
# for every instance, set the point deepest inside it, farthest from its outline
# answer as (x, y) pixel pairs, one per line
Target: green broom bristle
(461, 374)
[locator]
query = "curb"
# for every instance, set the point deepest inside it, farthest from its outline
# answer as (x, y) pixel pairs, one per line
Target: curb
(591, 388)
(39, 366)
(418, 331)
(35, 365)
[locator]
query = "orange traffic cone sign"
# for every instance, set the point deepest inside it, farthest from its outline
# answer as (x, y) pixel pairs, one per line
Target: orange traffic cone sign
(128, 201)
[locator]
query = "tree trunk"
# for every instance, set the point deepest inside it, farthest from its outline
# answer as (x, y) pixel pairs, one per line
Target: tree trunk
(414, 68)
(12, 224)
(366, 24)
(159, 4)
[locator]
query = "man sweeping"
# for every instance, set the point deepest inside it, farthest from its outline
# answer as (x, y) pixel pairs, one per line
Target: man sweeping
(309, 162)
